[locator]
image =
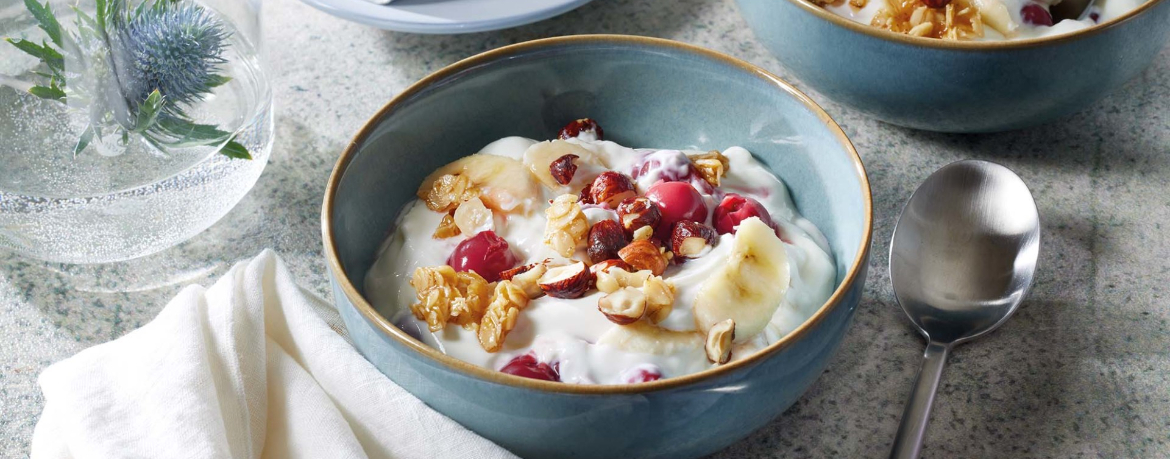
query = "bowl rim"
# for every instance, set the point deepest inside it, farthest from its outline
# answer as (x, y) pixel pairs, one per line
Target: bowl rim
(381, 323)
(997, 45)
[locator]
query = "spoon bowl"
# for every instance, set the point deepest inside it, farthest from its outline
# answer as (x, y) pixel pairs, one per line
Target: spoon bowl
(964, 250)
(962, 259)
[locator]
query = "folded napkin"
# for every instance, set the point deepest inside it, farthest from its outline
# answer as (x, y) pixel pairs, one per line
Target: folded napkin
(253, 367)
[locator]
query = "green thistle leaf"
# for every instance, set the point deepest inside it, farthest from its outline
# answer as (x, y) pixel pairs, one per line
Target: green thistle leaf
(48, 92)
(100, 14)
(43, 52)
(45, 19)
(148, 112)
(235, 150)
(86, 138)
(215, 81)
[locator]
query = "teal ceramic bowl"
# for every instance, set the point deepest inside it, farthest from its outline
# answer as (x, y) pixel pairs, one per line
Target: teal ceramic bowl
(645, 92)
(946, 86)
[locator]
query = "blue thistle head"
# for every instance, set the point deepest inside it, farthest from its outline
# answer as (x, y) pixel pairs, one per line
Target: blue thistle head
(174, 47)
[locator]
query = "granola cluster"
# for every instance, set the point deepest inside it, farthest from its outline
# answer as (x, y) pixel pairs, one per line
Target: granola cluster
(566, 226)
(448, 191)
(958, 20)
(446, 296)
(501, 314)
(466, 299)
(711, 165)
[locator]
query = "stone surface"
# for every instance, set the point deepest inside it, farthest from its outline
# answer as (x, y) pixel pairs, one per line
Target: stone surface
(1083, 370)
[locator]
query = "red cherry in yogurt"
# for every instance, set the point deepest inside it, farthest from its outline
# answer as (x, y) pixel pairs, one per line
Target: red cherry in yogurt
(486, 254)
(676, 201)
(641, 375)
(736, 208)
(1035, 14)
(526, 366)
(669, 166)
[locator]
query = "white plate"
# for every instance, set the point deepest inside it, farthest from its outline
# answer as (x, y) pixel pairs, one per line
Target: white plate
(446, 16)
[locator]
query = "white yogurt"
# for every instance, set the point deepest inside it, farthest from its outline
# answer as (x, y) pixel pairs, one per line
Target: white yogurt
(568, 331)
(1017, 29)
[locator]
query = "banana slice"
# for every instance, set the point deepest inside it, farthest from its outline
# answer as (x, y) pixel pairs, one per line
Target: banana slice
(505, 184)
(995, 15)
(539, 156)
(643, 338)
(750, 285)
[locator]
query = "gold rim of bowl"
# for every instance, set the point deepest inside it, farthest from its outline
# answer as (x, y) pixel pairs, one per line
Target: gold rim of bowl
(973, 45)
(386, 327)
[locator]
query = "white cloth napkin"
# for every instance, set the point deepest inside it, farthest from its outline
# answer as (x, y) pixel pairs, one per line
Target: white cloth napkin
(253, 367)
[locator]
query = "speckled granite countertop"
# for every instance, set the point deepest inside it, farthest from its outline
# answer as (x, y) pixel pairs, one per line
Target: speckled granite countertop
(1083, 370)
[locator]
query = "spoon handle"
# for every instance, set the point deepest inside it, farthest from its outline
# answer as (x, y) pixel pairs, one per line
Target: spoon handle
(908, 442)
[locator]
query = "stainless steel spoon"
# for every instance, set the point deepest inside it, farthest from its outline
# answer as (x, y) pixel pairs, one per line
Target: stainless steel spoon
(962, 259)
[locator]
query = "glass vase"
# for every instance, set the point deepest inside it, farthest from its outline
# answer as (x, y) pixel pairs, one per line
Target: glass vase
(91, 177)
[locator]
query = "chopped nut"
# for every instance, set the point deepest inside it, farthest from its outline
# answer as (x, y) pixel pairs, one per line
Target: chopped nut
(501, 315)
(624, 306)
(614, 278)
(712, 166)
(719, 339)
(611, 188)
(606, 238)
(448, 296)
(448, 191)
(567, 225)
(562, 169)
(527, 277)
(584, 127)
(570, 281)
(643, 254)
(859, 4)
(606, 265)
(659, 298)
(638, 212)
(658, 293)
(692, 240)
(643, 233)
(447, 228)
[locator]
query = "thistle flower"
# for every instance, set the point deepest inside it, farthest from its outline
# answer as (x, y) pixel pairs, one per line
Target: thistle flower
(175, 48)
(161, 57)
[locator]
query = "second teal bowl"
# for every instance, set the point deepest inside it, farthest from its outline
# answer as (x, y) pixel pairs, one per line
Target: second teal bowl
(645, 92)
(944, 86)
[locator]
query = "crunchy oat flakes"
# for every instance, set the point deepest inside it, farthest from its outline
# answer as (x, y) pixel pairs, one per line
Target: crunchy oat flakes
(501, 314)
(566, 226)
(958, 20)
(448, 296)
(711, 165)
(447, 228)
(448, 191)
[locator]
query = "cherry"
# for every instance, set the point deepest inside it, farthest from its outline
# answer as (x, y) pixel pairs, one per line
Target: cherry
(670, 166)
(1035, 14)
(485, 253)
(641, 374)
(676, 201)
(734, 209)
(526, 366)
